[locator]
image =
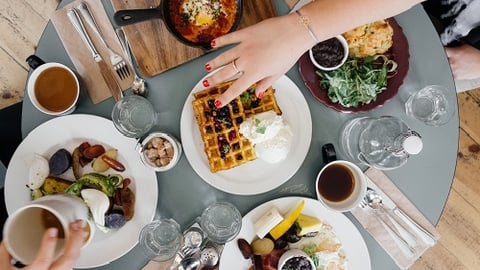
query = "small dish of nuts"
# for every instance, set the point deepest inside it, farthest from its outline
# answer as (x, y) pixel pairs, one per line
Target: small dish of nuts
(160, 151)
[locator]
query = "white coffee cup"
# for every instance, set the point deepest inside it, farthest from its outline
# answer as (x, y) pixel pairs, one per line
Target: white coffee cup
(340, 185)
(24, 229)
(53, 88)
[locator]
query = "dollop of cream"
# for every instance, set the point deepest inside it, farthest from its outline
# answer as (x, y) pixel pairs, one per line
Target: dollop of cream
(270, 135)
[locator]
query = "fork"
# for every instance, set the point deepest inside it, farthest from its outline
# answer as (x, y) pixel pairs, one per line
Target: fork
(139, 86)
(116, 60)
(403, 245)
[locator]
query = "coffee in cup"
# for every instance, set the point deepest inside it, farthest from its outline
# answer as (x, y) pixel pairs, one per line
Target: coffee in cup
(53, 88)
(24, 229)
(340, 185)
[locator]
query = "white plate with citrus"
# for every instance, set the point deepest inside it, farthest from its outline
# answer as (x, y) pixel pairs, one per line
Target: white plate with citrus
(353, 245)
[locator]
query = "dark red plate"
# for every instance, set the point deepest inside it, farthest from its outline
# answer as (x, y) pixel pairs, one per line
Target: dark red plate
(399, 53)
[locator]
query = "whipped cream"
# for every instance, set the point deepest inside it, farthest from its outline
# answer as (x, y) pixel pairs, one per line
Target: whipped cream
(270, 135)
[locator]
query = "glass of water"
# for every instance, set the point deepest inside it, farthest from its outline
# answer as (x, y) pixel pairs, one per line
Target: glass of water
(433, 105)
(161, 239)
(221, 222)
(133, 116)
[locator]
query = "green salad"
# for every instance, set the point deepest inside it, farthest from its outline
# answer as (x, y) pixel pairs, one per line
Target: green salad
(358, 81)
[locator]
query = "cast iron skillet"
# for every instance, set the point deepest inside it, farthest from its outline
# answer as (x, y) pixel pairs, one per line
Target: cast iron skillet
(131, 16)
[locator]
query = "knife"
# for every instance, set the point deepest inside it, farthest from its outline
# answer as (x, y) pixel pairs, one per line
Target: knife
(106, 72)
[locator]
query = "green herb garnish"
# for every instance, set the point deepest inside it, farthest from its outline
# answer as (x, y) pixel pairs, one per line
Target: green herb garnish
(358, 81)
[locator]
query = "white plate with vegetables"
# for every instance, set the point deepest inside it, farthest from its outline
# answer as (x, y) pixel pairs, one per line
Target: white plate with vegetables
(352, 244)
(69, 132)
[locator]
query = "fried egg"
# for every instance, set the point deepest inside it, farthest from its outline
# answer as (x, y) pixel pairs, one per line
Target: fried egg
(201, 12)
(328, 249)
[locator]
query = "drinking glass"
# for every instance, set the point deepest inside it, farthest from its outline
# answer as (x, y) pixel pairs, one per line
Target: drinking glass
(160, 240)
(221, 222)
(432, 105)
(133, 116)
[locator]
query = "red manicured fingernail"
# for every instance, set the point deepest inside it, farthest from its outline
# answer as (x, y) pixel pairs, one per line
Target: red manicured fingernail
(205, 83)
(208, 67)
(213, 43)
(218, 103)
(261, 94)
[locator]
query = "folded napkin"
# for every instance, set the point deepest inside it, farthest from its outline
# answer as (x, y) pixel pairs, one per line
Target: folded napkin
(88, 71)
(377, 180)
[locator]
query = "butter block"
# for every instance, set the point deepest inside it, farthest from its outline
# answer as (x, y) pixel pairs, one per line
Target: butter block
(267, 222)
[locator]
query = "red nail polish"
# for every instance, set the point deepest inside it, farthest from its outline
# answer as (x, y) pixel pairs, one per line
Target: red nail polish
(208, 67)
(213, 43)
(205, 83)
(218, 103)
(260, 95)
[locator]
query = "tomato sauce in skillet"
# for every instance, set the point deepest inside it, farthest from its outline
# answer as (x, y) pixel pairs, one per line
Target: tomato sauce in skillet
(201, 21)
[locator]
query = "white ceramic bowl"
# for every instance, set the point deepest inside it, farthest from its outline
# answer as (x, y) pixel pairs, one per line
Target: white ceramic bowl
(293, 253)
(344, 59)
(177, 151)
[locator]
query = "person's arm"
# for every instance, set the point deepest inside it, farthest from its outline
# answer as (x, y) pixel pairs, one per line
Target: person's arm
(267, 50)
(464, 61)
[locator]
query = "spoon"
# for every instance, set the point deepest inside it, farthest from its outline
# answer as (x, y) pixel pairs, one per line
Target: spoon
(375, 201)
(192, 241)
(139, 86)
(189, 263)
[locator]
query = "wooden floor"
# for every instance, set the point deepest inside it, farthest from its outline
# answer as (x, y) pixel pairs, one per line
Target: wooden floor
(22, 22)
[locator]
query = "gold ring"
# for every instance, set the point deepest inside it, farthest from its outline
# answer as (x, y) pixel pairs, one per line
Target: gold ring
(235, 67)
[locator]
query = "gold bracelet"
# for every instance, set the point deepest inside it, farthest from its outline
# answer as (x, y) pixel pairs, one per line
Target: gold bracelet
(305, 20)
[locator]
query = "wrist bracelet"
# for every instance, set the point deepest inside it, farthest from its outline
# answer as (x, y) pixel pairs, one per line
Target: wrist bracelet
(305, 20)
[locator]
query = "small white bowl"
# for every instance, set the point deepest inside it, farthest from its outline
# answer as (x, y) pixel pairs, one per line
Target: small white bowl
(144, 146)
(293, 253)
(344, 59)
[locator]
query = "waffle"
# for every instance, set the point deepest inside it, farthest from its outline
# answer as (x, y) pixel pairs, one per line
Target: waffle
(224, 146)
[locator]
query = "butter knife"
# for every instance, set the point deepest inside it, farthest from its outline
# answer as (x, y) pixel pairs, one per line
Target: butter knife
(107, 74)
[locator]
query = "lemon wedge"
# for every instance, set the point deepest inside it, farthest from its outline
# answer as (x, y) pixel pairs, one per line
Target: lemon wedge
(288, 221)
(308, 224)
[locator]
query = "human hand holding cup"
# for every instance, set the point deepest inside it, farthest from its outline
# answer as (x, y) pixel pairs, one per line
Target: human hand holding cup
(25, 228)
(340, 185)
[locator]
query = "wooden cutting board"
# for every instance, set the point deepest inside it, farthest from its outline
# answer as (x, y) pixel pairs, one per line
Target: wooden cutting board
(157, 50)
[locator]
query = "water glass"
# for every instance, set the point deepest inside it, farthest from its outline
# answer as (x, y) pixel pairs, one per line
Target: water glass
(133, 116)
(161, 239)
(221, 222)
(431, 105)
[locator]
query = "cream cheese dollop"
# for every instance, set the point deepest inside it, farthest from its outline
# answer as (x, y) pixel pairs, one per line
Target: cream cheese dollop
(270, 135)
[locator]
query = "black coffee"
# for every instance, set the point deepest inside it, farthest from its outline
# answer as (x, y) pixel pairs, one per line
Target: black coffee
(336, 183)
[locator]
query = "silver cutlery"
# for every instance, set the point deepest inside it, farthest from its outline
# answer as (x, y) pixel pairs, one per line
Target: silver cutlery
(139, 86)
(116, 60)
(375, 201)
(401, 242)
(429, 238)
(107, 74)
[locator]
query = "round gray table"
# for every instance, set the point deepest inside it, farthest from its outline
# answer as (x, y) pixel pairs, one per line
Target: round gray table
(425, 179)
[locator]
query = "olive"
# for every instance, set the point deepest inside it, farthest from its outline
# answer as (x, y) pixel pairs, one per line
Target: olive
(60, 161)
(245, 248)
(291, 235)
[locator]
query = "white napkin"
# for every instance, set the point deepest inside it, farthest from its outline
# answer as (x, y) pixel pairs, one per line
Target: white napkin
(377, 180)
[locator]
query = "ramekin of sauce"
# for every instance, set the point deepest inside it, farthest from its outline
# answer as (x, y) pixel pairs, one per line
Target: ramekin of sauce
(329, 54)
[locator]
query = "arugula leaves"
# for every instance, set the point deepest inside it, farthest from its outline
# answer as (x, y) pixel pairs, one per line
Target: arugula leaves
(358, 81)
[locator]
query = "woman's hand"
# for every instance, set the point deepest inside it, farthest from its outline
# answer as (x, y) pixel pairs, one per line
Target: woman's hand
(265, 51)
(464, 61)
(45, 257)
